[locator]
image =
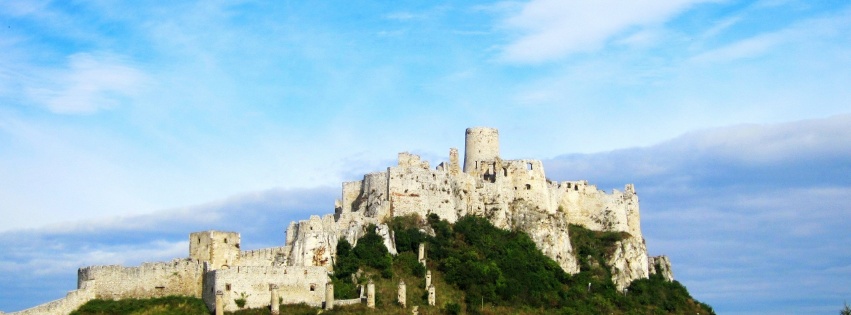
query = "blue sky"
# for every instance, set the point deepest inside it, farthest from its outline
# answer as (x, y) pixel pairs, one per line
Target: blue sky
(125, 126)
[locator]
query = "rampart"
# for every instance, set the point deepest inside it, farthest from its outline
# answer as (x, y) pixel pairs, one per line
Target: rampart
(178, 277)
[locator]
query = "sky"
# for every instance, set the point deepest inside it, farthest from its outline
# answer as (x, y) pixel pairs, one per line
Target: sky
(126, 126)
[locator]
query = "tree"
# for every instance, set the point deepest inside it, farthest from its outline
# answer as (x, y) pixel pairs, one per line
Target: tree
(846, 310)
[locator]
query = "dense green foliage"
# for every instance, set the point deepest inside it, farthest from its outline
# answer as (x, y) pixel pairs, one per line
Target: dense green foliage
(170, 305)
(370, 251)
(505, 268)
(502, 267)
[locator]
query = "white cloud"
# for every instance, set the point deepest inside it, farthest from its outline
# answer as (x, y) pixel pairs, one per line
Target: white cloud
(803, 32)
(401, 16)
(90, 83)
(551, 29)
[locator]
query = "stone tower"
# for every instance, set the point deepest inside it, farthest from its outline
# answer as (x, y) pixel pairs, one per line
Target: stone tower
(481, 146)
(220, 249)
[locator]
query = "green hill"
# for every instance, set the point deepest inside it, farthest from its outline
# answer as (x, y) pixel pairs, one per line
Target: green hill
(476, 269)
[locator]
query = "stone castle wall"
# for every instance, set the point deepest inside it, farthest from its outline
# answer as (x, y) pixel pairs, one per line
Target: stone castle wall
(295, 285)
(72, 301)
(263, 257)
(178, 277)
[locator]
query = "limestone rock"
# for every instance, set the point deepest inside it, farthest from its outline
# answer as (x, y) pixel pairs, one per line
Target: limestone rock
(628, 262)
(389, 240)
(661, 265)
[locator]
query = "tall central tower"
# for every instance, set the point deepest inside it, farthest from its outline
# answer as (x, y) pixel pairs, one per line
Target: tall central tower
(481, 146)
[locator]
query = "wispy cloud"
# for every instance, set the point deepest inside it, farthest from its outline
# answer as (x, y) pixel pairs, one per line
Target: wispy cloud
(402, 16)
(768, 42)
(551, 29)
(89, 83)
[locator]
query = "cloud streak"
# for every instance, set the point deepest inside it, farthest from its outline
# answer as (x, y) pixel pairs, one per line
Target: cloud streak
(90, 83)
(552, 29)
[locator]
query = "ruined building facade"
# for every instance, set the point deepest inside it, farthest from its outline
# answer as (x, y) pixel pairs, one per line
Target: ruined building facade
(512, 194)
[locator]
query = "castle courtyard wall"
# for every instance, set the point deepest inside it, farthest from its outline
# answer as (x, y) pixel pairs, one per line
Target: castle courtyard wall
(295, 285)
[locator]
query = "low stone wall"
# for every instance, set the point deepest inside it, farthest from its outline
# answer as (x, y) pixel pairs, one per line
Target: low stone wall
(348, 302)
(251, 283)
(65, 305)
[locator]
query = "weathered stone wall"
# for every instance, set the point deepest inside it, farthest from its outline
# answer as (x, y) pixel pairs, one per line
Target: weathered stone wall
(178, 277)
(295, 285)
(263, 257)
(414, 188)
(597, 210)
(220, 249)
(72, 301)
(375, 200)
(315, 241)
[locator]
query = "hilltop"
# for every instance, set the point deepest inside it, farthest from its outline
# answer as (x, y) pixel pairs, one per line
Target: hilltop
(509, 195)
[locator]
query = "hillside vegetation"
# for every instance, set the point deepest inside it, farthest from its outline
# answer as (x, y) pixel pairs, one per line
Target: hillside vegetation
(480, 269)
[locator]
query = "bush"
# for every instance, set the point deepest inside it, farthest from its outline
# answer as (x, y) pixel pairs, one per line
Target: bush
(371, 251)
(165, 305)
(453, 309)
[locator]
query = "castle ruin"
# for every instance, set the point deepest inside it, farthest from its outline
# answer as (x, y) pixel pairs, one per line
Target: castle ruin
(512, 194)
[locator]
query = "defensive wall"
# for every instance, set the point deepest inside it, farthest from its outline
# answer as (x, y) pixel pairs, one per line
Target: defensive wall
(72, 301)
(178, 277)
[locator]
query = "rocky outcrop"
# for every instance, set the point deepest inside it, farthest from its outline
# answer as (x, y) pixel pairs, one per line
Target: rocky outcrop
(662, 266)
(628, 262)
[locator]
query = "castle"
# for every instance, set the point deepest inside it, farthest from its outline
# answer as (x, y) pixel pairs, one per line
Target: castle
(512, 194)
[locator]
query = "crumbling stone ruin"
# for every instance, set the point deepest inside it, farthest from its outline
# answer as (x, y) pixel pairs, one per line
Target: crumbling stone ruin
(512, 194)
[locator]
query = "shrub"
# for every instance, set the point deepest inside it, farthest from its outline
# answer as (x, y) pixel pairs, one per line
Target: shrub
(452, 308)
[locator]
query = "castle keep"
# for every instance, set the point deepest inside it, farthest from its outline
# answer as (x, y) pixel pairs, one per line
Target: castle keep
(512, 194)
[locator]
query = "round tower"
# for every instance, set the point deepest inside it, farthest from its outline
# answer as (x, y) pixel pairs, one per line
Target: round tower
(481, 144)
